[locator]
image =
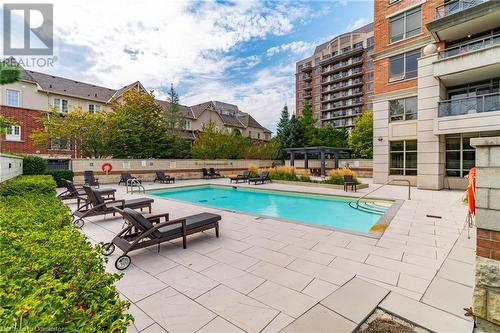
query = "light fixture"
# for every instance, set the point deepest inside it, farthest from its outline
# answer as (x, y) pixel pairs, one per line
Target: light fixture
(380, 139)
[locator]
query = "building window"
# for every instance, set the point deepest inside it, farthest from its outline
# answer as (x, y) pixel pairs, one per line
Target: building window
(258, 135)
(403, 158)
(369, 86)
(317, 80)
(460, 155)
(317, 107)
(318, 70)
(61, 105)
(404, 66)
(403, 109)
(93, 108)
(13, 133)
(369, 76)
(316, 90)
(392, 1)
(369, 64)
(405, 25)
(60, 144)
(13, 97)
(370, 41)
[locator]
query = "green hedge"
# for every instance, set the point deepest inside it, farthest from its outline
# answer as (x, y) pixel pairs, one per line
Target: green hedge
(51, 277)
(25, 185)
(34, 165)
(59, 175)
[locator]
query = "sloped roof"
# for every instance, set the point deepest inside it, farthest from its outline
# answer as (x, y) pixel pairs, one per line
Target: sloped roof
(198, 109)
(185, 110)
(122, 90)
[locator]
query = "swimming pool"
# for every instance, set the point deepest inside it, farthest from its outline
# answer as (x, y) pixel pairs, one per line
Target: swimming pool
(324, 210)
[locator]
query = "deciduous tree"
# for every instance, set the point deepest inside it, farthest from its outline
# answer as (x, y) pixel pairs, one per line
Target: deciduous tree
(361, 138)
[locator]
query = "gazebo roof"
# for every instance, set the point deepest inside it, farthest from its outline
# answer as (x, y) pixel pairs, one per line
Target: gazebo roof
(318, 149)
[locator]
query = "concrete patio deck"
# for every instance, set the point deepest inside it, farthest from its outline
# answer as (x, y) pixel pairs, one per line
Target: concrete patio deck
(266, 275)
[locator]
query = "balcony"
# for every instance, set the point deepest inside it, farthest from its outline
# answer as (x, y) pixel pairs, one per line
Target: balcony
(473, 114)
(460, 18)
(307, 68)
(469, 62)
(328, 59)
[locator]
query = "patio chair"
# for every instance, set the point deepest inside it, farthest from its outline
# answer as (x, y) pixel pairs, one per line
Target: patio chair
(261, 179)
(143, 232)
(161, 177)
(214, 173)
(350, 181)
(73, 192)
(89, 178)
(243, 177)
(125, 176)
(206, 174)
(97, 205)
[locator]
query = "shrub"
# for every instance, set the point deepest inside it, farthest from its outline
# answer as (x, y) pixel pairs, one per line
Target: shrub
(59, 175)
(52, 277)
(26, 185)
(254, 171)
(34, 165)
(288, 173)
(336, 176)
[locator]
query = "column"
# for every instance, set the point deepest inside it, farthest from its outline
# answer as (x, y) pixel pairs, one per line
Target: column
(322, 154)
(292, 158)
(336, 159)
(306, 161)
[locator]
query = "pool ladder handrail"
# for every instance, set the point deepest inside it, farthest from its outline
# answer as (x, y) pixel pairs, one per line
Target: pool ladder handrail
(133, 182)
(355, 204)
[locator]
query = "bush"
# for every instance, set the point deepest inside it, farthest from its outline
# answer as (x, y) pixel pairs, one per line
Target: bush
(52, 277)
(288, 173)
(59, 175)
(336, 176)
(26, 185)
(34, 165)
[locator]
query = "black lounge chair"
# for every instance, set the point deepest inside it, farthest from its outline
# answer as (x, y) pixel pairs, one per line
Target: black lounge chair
(89, 179)
(214, 173)
(261, 179)
(125, 176)
(243, 177)
(73, 192)
(161, 177)
(350, 181)
(207, 174)
(143, 232)
(97, 205)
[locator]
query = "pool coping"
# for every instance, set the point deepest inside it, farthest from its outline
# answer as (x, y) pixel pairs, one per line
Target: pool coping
(382, 223)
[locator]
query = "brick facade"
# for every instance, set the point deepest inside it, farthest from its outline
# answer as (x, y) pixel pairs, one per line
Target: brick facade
(29, 120)
(488, 243)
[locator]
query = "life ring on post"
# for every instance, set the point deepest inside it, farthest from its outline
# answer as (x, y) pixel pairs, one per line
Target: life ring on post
(106, 168)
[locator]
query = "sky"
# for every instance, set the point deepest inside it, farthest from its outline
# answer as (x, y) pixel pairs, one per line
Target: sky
(241, 52)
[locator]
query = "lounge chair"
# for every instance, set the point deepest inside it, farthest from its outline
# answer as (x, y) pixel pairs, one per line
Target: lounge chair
(161, 177)
(89, 178)
(214, 173)
(207, 174)
(142, 232)
(261, 179)
(350, 181)
(125, 176)
(97, 205)
(73, 192)
(243, 177)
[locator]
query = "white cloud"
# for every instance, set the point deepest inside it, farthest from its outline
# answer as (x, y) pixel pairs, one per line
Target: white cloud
(297, 47)
(357, 24)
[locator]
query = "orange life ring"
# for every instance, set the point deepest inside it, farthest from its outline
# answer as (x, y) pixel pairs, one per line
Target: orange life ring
(107, 167)
(471, 191)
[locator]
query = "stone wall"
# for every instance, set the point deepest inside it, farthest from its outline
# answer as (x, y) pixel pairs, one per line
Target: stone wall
(487, 289)
(362, 167)
(10, 167)
(145, 169)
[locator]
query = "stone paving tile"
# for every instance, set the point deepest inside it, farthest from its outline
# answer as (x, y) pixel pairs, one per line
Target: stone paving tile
(352, 238)
(373, 249)
(449, 296)
(152, 262)
(186, 281)
(355, 300)
(302, 253)
(187, 257)
(462, 254)
(278, 323)
(319, 289)
(265, 242)
(280, 275)
(175, 312)
(233, 278)
(366, 270)
(422, 261)
(232, 244)
(424, 315)
(413, 283)
(320, 320)
(457, 271)
(284, 299)
(330, 274)
(327, 247)
(405, 292)
(155, 328)
(232, 258)
(219, 325)
(258, 232)
(296, 241)
(141, 320)
(402, 267)
(242, 311)
(137, 284)
(270, 256)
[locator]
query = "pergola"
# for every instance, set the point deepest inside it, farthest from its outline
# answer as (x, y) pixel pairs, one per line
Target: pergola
(322, 151)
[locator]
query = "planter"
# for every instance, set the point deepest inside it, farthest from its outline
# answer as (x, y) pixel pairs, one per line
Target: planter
(333, 186)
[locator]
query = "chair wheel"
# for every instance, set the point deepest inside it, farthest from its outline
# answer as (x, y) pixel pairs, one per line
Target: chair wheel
(78, 223)
(108, 249)
(123, 262)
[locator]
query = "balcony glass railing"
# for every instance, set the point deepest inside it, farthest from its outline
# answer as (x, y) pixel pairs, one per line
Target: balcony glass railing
(471, 105)
(452, 7)
(470, 46)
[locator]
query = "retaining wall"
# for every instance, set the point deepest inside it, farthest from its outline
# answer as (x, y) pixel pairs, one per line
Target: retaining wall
(10, 167)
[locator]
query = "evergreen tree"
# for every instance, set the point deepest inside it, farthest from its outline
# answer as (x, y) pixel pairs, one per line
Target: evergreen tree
(174, 119)
(293, 135)
(307, 123)
(330, 136)
(10, 72)
(284, 119)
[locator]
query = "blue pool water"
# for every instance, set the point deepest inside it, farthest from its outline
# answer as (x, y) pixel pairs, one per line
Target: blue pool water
(306, 208)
